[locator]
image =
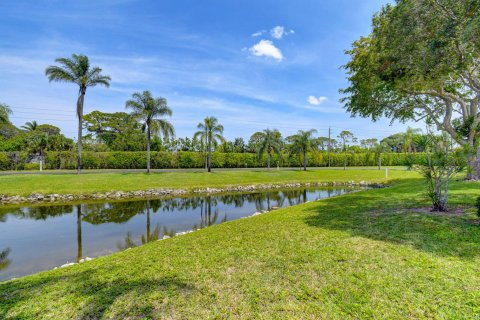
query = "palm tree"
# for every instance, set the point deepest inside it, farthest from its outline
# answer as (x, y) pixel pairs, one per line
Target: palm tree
(211, 132)
(77, 70)
(303, 142)
(346, 137)
(5, 111)
(379, 149)
(271, 141)
(30, 126)
(147, 109)
(39, 142)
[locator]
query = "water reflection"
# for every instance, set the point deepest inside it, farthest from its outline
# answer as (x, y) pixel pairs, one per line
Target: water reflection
(4, 261)
(42, 237)
(79, 233)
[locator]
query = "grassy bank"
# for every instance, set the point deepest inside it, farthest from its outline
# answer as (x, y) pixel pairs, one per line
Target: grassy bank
(372, 254)
(24, 185)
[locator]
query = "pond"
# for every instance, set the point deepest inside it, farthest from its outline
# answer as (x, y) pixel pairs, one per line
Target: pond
(36, 238)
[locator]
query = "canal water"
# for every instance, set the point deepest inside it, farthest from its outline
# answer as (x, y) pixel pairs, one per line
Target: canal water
(36, 238)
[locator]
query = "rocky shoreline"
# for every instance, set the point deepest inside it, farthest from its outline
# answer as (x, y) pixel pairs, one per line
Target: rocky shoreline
(35, 198)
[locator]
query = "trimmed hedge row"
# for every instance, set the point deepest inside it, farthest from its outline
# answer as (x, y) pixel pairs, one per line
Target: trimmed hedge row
(184, 159)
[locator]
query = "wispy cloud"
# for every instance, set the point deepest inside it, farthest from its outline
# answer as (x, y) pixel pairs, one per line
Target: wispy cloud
(279, 32)
(316, 101)
(266, 48)
(259, 33)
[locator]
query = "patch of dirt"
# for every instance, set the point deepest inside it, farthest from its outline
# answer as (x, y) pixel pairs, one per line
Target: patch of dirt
(459, 211)
(453, 212)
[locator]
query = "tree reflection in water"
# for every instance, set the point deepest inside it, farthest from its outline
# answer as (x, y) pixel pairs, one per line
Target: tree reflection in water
(122, 211)
(4, 261)
(79, 233)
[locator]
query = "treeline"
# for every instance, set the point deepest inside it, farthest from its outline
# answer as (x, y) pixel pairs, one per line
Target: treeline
(120, 131)
(190, 159)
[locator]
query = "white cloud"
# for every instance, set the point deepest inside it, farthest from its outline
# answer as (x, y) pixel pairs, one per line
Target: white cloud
(258, 33)
(277, 32)
(316, 101)
(267, 49)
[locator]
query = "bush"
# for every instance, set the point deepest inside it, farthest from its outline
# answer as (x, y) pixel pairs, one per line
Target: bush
(32, 166)
(477, 205)
(188, 159)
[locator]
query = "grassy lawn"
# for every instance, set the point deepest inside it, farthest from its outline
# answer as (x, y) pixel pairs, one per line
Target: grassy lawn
(373, 254)
(103, 182)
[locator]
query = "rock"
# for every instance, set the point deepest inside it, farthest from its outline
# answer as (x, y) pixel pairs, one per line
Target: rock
(85, 259)
(67, 265)
(33, 198)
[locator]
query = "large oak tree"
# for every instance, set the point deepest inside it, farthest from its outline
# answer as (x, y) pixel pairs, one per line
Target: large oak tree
(421, 61)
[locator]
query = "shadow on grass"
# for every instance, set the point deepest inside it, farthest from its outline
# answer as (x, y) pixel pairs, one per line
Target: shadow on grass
(389, 215)
(88, 295)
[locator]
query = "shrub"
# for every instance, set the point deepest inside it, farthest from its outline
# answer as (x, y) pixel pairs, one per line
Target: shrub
(477, 205)
(32, 166)
(189, 159)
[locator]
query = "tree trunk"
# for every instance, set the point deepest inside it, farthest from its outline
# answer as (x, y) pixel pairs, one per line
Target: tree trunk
(379, 161)
(148, 148)
(268, 160)
(206, 153)
(41, 160)
(80, 125)
(79, 233)
(209, 158)
(474, 166)
(304, 161)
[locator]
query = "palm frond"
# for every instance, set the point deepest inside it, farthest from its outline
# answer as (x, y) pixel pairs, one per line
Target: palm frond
(199, 134)
(68, 64)
(58, 74)
(219, 137)
(99, 80)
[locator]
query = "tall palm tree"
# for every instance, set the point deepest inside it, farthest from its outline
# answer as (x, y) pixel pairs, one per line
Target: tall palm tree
(302, 142)
(147, 109)
(346, 137)
(77, 70)
(211, 132)
(5, 111)
(30, 126)
(271, 141)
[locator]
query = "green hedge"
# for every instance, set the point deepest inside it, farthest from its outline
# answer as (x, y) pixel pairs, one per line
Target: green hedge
(184, 159)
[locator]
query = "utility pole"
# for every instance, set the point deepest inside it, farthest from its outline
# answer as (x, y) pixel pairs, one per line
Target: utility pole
(329, 133)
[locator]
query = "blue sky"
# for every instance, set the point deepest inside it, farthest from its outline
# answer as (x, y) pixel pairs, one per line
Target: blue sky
(252, 64)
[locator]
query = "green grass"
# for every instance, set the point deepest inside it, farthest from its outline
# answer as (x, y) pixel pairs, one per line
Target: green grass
(103, 182)
(368, 255)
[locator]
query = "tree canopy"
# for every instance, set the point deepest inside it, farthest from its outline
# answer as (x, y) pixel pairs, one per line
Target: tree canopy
(421, 61)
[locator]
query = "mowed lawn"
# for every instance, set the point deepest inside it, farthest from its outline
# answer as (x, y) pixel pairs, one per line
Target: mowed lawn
(374, 254)
(103, 182)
